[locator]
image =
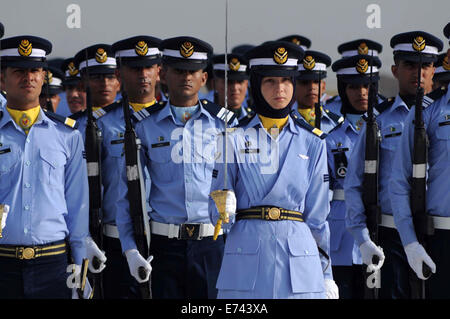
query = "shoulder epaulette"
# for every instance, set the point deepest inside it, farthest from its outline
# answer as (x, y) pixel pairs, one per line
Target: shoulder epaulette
(78, 115)
(102, 111)
(331, 99)
(338, 119)
(218, 111)
(383, 106)
(305, 125)
(434, 95)
(245, 120)
(62, 119)
(144, 113)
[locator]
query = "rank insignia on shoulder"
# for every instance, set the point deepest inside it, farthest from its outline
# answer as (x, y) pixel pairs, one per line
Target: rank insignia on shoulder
(67, 121)
(326, 178)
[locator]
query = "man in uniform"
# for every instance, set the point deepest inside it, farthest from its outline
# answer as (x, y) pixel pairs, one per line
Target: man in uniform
(99, 63)
(349, 49)
(138, 59)
(237, 76)
(178, 143)
(353, 88)
(53, 85)
(436, 115)
(74, 88)
(442, 75)
(394, 274)
(312, 72)
(43, 178)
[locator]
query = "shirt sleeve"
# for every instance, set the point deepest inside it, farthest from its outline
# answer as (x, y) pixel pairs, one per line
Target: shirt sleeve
(355, 218)
(318, 206)
(399, 185)
(77, 198)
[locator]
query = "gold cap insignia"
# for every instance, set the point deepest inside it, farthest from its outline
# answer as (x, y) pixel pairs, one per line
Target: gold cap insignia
(296, 41)
(309, 63)
(72, 69)
(363, 48)
(141, 48)
(419, 44)
(280, 56)
(25, 48)
(101, 56)
(49, 76)
(234, 64)
(446, 64)
(362, 66)
(187, 49)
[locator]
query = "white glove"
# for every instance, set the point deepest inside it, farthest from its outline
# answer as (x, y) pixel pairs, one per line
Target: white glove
(417, 255)
(5, 215)
(92, 251)
(331, 289)
(368, 250)
(88, 292)
(135, 261)
(230, 204)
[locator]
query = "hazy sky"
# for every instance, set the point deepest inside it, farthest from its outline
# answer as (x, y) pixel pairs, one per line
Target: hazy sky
(327, 23)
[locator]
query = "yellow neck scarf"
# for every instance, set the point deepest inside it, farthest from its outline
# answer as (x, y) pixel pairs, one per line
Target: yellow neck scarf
(309, 115)
(25, 119)
(138, 107)
(269, 123)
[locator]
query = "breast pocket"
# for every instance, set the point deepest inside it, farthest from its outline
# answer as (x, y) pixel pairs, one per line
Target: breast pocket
(443, 136)
(162, 165)
(305, 267)
(51, 167)
(391, 136)
(240, 264)
(9, 158)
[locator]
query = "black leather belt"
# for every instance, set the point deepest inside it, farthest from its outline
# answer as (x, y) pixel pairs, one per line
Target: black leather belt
(32, 252)
(269, 213)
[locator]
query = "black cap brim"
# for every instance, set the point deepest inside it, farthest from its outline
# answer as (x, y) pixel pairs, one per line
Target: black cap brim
(138, 62)
(71, 81)
(311, 75)
(99, 70)
(184, 65)
(24, 64)
(264, 71)
(358, 79)
(414, 57)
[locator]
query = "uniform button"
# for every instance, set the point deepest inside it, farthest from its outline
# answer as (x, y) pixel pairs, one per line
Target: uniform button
(188, 205)
(25, 230)
(27, 207)
(239, 250)
(27, 163)
(306, 252)
(27, 185)
(28, 140)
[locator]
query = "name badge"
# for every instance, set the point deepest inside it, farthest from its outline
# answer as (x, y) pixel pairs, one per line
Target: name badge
(250, 150)
(160, 144)
(6, 150)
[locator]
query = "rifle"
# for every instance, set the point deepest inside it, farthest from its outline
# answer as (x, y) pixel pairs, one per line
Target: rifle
(92, 143)
(136, 194)
(370, 182)
(423, 225)
(318, 109)
(49, 105)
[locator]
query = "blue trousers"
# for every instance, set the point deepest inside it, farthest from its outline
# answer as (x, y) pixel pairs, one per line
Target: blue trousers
(185, 269)
(437, 286)
(350, 281)
(40, 278)
(395, 283)
(117, 280)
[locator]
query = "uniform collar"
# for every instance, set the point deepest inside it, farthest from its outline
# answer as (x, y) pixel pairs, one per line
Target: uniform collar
(290, 125)
(398, 102)
(41, 119)
(166, 112)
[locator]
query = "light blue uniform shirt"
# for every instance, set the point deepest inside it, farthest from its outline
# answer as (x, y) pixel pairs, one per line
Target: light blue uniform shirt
(2, 102)
(390, 124)
(275, 259)
(340, 143)
(43, 178)
(437, 119)
(180, 160)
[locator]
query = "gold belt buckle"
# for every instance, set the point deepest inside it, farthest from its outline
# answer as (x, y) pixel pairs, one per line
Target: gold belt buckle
(274, 213)
(26, 253)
